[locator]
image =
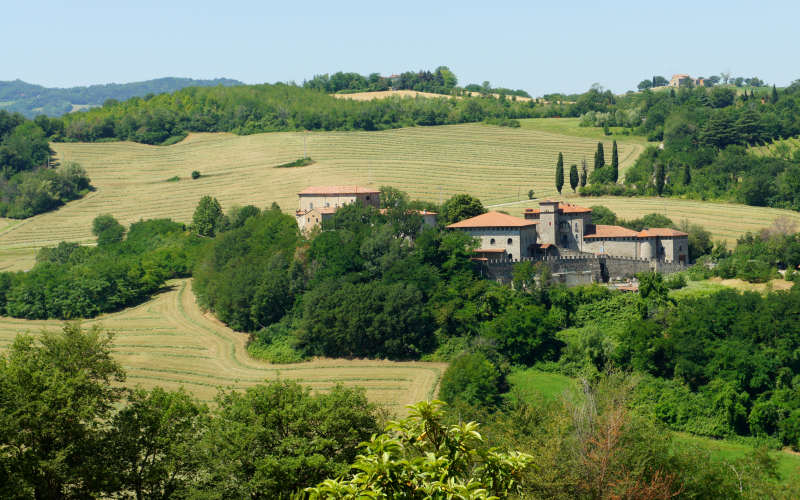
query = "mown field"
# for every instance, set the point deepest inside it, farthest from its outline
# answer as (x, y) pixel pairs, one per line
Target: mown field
(497, 164)
(725, 221)
(169, 342)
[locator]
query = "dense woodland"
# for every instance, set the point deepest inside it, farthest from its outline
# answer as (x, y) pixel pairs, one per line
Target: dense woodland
(269, 108)
(439, 81)
(29, 182)
(31, 100)
(706, 136)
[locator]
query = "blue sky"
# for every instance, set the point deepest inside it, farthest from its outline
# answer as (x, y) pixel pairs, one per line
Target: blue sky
(559, 46)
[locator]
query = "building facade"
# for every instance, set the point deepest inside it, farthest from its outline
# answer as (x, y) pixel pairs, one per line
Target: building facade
(319, 203)
(563, 229)
(501, 235)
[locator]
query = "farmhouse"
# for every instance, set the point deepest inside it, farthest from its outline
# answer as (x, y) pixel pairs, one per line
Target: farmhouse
(319, 203)
(558, 229)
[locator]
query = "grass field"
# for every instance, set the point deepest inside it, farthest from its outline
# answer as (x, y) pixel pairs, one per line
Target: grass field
(497, 164)
(570, 127)
(169, 342)
(531, 383)
(725, 221)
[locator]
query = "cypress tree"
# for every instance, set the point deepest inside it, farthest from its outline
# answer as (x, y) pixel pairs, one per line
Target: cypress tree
(614, 163)
(573, 177)
(774, 94)
(584, 173)
(660, 177)
(687, 175)
(599, 157)
(560, 173)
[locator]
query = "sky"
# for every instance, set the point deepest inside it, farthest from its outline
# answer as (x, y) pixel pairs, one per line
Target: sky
(558, 46)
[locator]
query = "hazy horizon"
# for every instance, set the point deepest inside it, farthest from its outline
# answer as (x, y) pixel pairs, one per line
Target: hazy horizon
(541, 49)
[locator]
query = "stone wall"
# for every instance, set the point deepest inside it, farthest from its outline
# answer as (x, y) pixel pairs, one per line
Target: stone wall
(580, 269)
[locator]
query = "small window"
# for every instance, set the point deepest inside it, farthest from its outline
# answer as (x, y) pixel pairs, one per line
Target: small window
(509, 241)
(491, 242)
(367, 197)
(311, 205)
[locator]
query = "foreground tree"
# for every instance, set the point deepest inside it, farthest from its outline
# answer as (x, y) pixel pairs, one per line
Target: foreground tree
(599, 157)
(274, 439)
(420, 457)
(584, 172)
(56, 395)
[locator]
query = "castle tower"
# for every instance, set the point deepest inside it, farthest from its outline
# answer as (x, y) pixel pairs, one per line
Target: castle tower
(548, 225)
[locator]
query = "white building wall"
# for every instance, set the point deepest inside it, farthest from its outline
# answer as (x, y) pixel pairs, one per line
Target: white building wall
(618, 247)
(515, 241)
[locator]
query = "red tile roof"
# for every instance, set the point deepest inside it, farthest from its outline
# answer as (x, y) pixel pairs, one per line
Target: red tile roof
(566, 208)
(493, 219)
(603, 231)
(661, 231)
(338, 190)
(490, 250)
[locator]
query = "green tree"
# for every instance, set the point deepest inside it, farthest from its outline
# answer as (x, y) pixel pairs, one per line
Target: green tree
(25, 148)
(573, 177)
(774, 94)
(584, 173)
(472, 379)
(274, 439)
(603, 215)
(207, 216)
(659, 177)
(687, 175)
(560, 173)
(107, 230)
(154, 442)
(599, 157)
(421, 457)
(614, 163)
(57, 394)
(460, 207)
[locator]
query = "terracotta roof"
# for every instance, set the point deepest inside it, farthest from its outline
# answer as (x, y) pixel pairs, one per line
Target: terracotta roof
(603, 231)
(327, 210)
(545, 245)
(420, 212)
(566, 208)
(332, 190)
(493, 219)
(661, 231)
(490, 250)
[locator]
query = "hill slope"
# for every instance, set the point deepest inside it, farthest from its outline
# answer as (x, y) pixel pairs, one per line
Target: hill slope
(497, 164)
(30, 99)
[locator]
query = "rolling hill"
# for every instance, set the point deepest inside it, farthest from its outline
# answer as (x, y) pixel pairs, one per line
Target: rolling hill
(31, 100)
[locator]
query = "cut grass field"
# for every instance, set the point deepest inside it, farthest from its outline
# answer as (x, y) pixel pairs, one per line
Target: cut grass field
(169, 342)
(571, 127)
(383, 94)
(497, 164)
(725, 221)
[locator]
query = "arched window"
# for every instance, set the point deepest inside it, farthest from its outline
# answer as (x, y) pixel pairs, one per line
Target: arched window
(509, 241)
(491, 242)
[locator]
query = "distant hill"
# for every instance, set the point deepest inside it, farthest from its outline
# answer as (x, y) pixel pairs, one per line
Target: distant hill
(31, 100)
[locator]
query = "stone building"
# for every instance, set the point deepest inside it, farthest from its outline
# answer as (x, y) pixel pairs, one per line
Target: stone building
(561, 229)
(500, 235)
(319, 203)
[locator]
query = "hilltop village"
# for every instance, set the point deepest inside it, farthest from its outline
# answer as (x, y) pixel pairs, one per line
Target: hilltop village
(562, 234)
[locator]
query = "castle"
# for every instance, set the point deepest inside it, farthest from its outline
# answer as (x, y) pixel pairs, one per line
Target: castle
(558, 229)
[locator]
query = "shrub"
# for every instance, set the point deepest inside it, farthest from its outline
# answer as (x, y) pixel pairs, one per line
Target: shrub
(472, 379)
(195, 174)
(675, 281)
(174, 178)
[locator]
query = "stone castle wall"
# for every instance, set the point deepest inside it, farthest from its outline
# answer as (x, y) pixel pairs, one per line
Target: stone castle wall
(580, 269)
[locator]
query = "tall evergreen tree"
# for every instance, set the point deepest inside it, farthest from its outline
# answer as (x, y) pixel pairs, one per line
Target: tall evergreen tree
(584, 172)
(660, 177)
(573, 177)
(560, 173)
(599, 157)
(774, 94)
(687, 175)
(614, 163)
